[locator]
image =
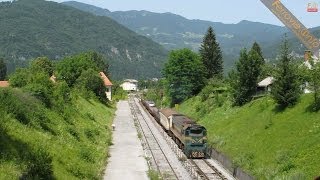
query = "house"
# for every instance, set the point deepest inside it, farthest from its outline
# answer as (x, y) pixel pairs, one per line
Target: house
(108, 85)
(265, 85)
(130, 85)
(4, 84)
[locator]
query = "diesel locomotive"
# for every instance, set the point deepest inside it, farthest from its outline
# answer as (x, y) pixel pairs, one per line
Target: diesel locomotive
(189, 136)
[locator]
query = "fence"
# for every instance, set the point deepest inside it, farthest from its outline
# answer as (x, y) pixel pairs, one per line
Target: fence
(226, 162)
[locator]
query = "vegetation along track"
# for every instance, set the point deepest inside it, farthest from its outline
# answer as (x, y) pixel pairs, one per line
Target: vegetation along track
(161, 160)
(206, 170)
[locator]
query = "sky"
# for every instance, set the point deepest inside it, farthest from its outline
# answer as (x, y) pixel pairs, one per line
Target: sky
(226, 11)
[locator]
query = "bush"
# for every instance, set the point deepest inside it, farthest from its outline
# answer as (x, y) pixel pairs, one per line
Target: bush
(39, 166)
(23, 107)
(20, 78)
(91, 81)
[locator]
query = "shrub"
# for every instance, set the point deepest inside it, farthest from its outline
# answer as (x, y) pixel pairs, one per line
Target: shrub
(39, 166)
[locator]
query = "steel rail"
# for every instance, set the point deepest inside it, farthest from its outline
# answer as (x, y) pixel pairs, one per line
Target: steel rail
(136, 107)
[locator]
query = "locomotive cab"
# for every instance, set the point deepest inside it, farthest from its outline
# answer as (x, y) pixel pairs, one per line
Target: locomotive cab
(196, 141)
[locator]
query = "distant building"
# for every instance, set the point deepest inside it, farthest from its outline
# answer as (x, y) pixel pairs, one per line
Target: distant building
(130, 85)
(4, 84)
(265, 85)
(108, 85)
(53, 79)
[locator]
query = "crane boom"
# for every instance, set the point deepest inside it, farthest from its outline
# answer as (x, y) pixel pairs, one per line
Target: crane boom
(291, 22)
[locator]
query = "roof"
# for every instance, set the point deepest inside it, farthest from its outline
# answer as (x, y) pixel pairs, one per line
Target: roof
(182, 120)
(131, 80)
(168, 112)
(105, 79)
(266, 82)
(4, 84)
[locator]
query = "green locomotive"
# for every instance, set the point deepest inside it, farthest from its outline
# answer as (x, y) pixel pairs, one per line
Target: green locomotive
(190, 137)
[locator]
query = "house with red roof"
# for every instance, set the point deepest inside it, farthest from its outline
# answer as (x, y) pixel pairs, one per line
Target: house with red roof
(108, 85)
(4, 84)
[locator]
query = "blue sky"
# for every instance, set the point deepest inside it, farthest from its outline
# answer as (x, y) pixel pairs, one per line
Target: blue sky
(226, 11)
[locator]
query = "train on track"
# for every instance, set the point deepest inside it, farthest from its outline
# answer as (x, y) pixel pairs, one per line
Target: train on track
(189, 136)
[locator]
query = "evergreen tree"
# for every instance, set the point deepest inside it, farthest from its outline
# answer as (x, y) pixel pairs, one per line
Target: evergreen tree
(285, 90)
(184, 74)
(244, 80)
(3, 69)
(211, 55)
(260, 61)
(256, 47)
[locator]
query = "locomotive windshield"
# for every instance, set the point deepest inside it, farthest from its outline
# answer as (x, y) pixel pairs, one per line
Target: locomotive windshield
(198, 131)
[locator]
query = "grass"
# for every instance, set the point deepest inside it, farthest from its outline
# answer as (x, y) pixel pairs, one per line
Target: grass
(154, 175)
(266, 142)
(73, 144)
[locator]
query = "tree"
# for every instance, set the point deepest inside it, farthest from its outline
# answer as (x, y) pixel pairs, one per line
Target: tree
(264, 68)
(70, 68)
(42, 64)
(99, 60)
(20, 78)
(286, 88)
(256, 47)
(40, 86)
(315, 74)
(312, 76)
(211, 55)
(184, 74)
(245, 78)
(3, 69)
(90, 81)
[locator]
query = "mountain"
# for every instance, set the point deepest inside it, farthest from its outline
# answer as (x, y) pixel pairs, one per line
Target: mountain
(295, 44)
(32, 28)
(174, 31)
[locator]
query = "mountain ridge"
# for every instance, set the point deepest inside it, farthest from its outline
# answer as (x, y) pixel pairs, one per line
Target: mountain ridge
(33, 28)
(175, 31)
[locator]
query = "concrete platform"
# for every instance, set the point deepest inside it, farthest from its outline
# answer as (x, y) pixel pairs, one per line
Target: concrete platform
(127, 156)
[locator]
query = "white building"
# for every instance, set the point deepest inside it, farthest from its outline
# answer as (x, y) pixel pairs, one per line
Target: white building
(130, 85)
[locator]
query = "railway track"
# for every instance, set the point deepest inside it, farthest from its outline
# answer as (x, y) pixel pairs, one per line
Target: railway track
(206, 170)
(157, 153)
(198, 168)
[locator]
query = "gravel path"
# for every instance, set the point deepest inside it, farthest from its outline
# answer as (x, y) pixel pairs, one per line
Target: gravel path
(127, 156)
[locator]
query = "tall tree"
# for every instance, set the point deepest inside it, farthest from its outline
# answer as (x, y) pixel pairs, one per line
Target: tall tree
(263, 68)
(211, 55)
(244, 80)
(256, 47)
(3, 69)
(184, 74)
(286, 88)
